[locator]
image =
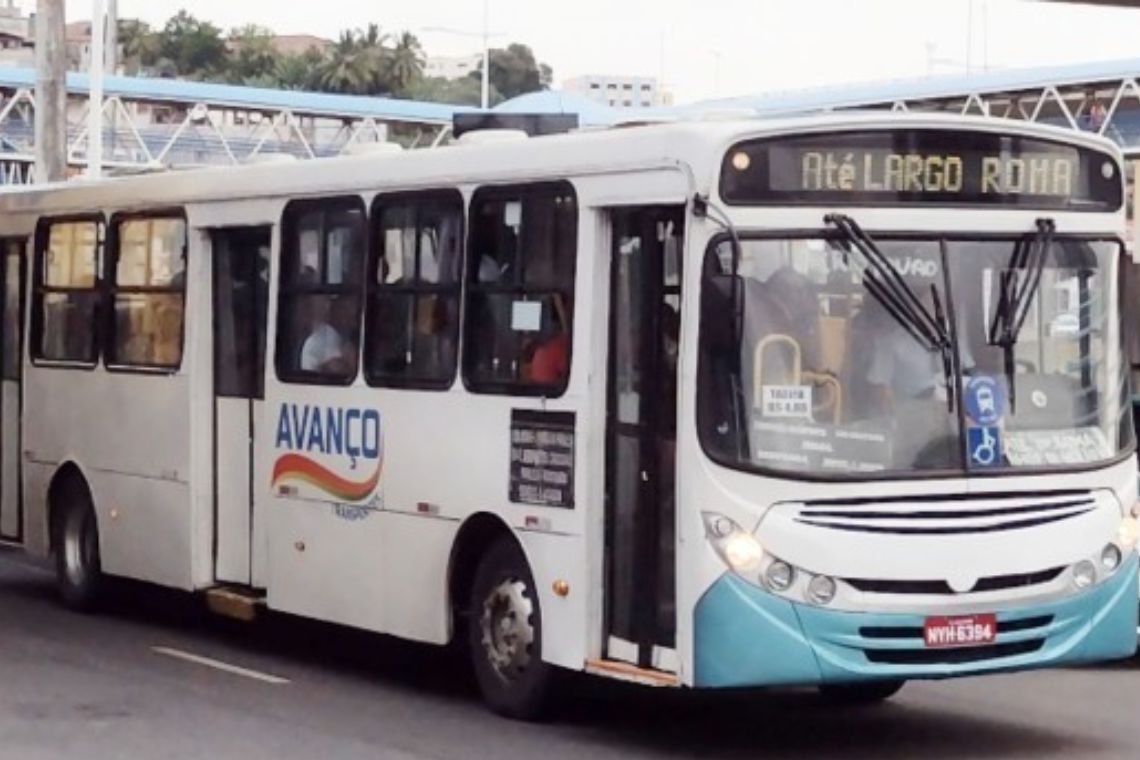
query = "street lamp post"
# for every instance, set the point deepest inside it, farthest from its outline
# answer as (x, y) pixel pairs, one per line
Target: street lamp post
(486, 36)
(486, 59)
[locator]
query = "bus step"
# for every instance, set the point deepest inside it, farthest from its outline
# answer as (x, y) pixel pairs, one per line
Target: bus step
(623, 671)
(237, 603)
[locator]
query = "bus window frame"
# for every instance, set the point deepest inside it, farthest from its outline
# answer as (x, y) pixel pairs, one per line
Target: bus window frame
(516, 388)
(902, 475)
(39, 289)
(292, 211)
(112, 288)
(373, 288)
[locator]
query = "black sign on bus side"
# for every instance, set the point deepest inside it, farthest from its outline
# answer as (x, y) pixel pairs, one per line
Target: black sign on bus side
(542, 458)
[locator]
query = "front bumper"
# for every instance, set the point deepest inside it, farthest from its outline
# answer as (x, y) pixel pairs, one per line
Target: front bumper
(745, 636)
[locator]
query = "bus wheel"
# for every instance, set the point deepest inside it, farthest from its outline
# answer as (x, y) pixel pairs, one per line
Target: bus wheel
(77, 569)
(869, 693)
(505, 634)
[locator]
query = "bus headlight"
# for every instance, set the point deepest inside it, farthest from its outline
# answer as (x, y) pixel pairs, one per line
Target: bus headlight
(779, 575)
(1110, 557)
(737, 547)
(1127, 533)
(1084, 574)
(821, 590)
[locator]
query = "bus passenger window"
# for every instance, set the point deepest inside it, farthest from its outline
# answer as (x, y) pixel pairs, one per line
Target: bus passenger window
(148, 292)
(318, 311)
(520, 307)
(412, 316)
(66, 298)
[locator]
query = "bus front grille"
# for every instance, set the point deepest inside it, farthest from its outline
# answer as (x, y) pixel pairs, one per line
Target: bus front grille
(991, 583)
(917, 517)
(952, 656)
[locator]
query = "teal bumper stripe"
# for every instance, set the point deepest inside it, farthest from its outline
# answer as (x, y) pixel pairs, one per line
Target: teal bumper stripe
(745, 636)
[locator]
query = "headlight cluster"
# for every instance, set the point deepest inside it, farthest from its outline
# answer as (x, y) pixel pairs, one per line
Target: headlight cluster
(746, 557)
(1086, 572)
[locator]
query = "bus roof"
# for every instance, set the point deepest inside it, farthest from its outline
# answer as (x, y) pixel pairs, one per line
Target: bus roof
(697, 144)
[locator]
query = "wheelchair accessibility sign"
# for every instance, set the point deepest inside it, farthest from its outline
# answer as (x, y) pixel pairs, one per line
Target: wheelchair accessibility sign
(983, 444)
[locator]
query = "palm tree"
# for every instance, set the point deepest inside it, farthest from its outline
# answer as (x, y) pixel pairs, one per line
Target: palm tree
(348, 68)
(301, 72)
(405, 63)
(373, 46)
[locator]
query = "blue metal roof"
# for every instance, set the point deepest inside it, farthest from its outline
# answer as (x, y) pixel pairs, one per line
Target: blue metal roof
(939, 87)
(305, 103)
(590, 112)
(593, 113)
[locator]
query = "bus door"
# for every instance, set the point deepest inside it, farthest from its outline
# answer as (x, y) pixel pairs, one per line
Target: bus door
(241, 294)
(11, 352)
(645, 303)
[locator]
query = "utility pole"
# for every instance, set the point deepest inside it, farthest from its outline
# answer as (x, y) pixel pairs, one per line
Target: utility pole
(112, 37)
(51, 92)
(486, 82)
(95, 70)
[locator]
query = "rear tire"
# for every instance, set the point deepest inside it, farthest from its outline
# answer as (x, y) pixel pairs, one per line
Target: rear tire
(855, 694)
(78, 572)
(504, 635)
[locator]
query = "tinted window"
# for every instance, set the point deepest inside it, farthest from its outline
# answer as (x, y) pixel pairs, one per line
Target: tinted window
(66, 299)
(318, 328)
(520, 274)
(148, 292)
(413, 309)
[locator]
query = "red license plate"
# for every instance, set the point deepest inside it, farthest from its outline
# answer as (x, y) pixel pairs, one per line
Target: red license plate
(960, 631)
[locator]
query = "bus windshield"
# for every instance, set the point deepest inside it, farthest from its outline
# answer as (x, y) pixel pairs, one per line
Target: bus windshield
(805, 370)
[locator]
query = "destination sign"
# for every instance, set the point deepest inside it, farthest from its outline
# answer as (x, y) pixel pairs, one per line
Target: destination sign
(891, 167)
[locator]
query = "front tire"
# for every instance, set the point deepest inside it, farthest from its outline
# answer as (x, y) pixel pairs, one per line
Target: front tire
(504, 635)
(855, 694)
(78, 571)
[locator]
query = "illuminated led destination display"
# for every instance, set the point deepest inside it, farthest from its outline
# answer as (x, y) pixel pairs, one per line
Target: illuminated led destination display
(921, 166)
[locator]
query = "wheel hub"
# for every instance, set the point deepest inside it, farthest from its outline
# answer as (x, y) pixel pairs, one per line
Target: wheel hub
(508, 630)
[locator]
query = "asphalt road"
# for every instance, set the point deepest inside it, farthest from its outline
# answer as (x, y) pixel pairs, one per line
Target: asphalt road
(118, 685)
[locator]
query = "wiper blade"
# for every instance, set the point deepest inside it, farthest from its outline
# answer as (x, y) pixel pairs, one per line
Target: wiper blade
(1017, 287)
(888, 287)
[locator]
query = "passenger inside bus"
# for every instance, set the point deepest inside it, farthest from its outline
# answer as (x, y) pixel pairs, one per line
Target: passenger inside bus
(326, 349)
(548, 355)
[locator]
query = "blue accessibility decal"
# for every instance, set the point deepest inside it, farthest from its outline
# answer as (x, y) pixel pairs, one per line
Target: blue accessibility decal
(985, 400)
(983, 444)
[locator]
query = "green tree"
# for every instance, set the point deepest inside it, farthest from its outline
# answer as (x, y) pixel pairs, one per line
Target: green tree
(515, 71)
(405, 63)
(139, 44)
(350, 67)
(196, 48)
(252, 57)
(301, 72)
(464, 91)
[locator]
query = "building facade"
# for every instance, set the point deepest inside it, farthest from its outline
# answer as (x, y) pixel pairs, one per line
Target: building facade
(618, 91)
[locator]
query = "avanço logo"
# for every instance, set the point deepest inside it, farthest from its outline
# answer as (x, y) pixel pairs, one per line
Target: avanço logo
(328, 448)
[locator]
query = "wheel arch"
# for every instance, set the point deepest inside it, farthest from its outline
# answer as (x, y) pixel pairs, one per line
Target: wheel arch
(477, 534)
(67, 476)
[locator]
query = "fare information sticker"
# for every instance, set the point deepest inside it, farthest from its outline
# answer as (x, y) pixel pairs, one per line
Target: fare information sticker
(961, 631)
(790, 401)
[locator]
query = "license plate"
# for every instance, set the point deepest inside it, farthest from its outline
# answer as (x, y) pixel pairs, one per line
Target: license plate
(960, 631)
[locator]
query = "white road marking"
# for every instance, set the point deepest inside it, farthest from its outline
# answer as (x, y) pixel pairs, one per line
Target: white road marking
(219, 665)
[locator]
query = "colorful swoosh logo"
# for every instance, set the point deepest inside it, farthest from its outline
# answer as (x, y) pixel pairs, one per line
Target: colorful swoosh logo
(300, 469)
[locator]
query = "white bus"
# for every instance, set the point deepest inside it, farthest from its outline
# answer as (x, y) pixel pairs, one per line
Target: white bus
(834, 401)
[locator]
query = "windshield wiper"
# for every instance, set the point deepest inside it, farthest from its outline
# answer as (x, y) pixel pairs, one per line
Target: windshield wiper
(1017, 287)
(887, 286)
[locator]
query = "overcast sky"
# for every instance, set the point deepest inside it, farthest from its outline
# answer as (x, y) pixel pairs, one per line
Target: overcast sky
(715, 47)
